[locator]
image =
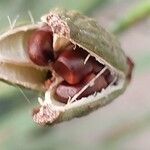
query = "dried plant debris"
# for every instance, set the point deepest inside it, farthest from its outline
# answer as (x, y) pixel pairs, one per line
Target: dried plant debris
(68, 56)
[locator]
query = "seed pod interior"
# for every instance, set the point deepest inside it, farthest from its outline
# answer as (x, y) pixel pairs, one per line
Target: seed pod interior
(88, 69)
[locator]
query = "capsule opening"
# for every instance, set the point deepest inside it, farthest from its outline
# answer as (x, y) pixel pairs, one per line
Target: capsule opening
(80, 74)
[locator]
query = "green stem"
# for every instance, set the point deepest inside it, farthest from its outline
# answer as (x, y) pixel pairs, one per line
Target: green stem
(141, 11)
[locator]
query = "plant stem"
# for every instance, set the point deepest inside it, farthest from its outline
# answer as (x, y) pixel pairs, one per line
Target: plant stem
(141, 11)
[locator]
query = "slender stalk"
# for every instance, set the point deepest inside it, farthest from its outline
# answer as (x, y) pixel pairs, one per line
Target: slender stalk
(141, 11)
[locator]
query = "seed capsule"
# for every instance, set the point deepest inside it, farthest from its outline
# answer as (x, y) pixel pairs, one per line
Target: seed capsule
(64, 28)
(40, 48)
(70, 65)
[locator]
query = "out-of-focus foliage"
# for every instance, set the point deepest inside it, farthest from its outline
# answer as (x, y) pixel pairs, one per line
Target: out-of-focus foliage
(141, 11)
(13, 8)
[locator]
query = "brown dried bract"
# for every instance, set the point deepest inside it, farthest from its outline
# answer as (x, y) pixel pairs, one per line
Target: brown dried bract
(45, 115)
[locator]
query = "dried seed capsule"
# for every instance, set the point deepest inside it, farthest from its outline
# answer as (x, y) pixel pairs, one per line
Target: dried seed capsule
(70, 65)
(67, 26)
(40, 46)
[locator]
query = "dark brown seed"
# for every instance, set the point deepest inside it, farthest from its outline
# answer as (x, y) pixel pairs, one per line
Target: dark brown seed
(108, 77)
(64, 90)
(97, 67)
(99, 84)
(40, 46)
(70, 65)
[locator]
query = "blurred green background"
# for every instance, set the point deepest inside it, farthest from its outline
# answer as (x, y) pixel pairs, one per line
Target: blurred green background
(122, 125)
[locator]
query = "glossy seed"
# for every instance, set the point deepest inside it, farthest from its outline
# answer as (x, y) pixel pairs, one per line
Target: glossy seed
(108, 77)
(65, 91)
(99, 84)
(70, 65)
(97, 67)
(40, 48)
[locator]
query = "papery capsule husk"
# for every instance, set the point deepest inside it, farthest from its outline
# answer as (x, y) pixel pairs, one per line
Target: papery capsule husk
(67, 26)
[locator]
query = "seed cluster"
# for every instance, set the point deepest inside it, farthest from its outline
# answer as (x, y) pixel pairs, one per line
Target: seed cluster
(75, 66)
